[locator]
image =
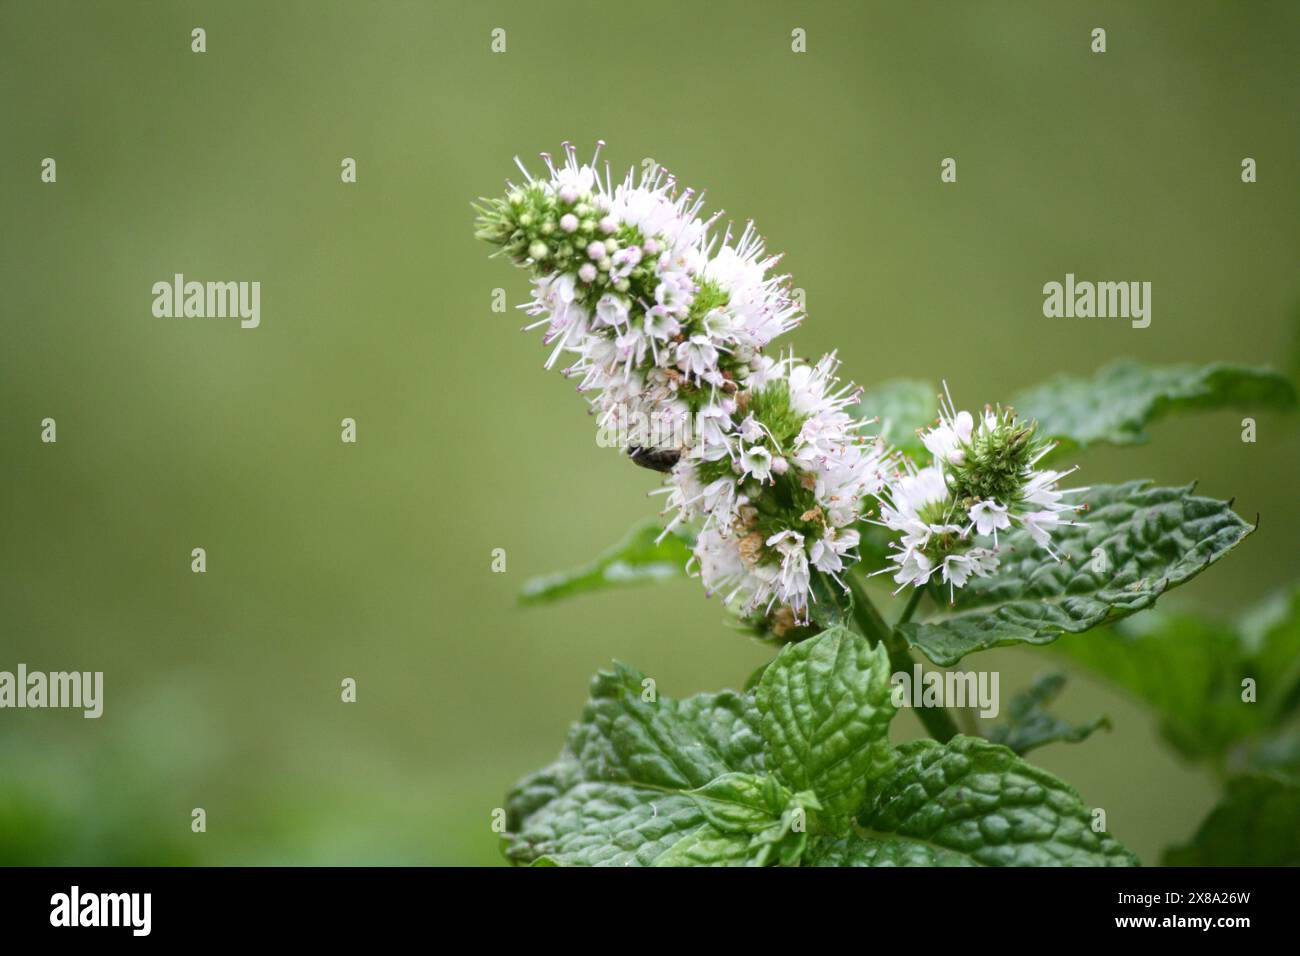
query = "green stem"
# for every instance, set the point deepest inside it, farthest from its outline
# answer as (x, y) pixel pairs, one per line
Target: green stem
(873, 626)
(912, 602)
(937, 721)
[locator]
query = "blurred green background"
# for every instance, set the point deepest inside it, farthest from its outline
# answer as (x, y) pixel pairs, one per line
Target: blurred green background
(372, 561)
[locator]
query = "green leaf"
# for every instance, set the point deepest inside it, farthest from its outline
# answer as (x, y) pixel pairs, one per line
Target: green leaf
(1269, 635)
(976, 800)
(750, 818)
(541, 787)
(1190, 670)
(630, 732)
(857, 850)
(709, 846)
(1256, 824)
(1029, 725)
(1152, 539)
(621, 793)
(637, 559)
(1116, 404)
(1278, 754)
(826, 709)
(741, 802)
(605, 824)
(647, 780)
(903, 405)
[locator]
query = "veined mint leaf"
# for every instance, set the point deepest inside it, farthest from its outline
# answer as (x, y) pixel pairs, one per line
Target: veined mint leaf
(826, 709)
(1135, 543)
(1256, 824)
(637, 559)
(625, 791)
(741, 802)
(541, 787)
(903, 405)
(1030, 725)
(621, 793)
(1190, 671)
(979, 801)
(1117, 403)
(874, 850)
(630, 732)
(708, 846)
(605, 824)
(751, 819)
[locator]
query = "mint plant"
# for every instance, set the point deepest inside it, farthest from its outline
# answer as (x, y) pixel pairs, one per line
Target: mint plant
(799, 771)
(787, 492)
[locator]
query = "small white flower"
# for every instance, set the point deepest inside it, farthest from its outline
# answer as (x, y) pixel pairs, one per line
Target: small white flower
(563, 289)
(828, 552)
(786, 542)
(756, 461)
(674, 293)
(661, 323)
(751, 430)
(913, 568)
(1040, 525)
(763, 371)
(632, 346)
(944, 441)
(712, 423)
(720, 501)
(623, 262)
(989, 517)
(794, 579)
(960, 568)
(572, 181)
(721, 565)
(611, 310)
(908, 495)
(696, 355)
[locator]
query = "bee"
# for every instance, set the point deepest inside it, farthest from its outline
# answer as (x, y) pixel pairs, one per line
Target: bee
(656, 459)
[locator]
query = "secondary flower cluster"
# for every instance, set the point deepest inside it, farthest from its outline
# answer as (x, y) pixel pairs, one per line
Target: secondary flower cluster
(982, 479)
(666, 326)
